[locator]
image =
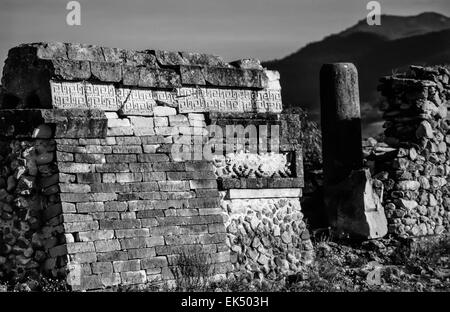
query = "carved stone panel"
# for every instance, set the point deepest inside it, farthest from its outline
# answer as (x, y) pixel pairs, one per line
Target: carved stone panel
(140, 101)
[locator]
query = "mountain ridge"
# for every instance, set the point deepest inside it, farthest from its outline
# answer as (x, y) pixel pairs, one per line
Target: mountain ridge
(374, 54)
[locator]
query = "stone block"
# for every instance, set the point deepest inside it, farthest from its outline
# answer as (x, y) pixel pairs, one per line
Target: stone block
(151, 158)
(155, 262)
(265, 193)
(164, 111)
(173, 186)
(127, 149)
(120, 131)
(97, 149)
(361, 213)
(69, 167)
(71, 227)
(107, 245)
(80, 247)
(204, 203)
(169, 166)
(84, 52)
(88, 178)
(192, 75)
(140, 167)
(90, 207)
(116, 206)
(113, 256)
(113, 167)
(119, 224)
(85, 257)
(132, 233)
(95, 235)
(161, 121)
(127, 266)
(128, 177)
(169, 58)
(158, 78)
(141, 253)
(71, 70)
(110, 279)
(64, 157)
(118, 158)
(154, 176)
(198, 166)
(102, 267)
(145, 187)
(231, 77)
(203, 184)
(135, 242)
(153, 241)
(116, 122)
(137, 277)
(249, 63)
(107, 72)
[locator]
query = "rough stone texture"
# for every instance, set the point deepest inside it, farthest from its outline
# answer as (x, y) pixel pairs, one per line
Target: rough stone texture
(267, 237)
(103, 198)
(29, 69)
(341, 121)
(352, 206)
(412, 165)
(359, 210)
(31, 227)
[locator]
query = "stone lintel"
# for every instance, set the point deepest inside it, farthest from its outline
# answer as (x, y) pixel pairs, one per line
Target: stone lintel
(264, 193)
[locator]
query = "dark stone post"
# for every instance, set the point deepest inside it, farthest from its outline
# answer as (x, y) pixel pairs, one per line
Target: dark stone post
(341, 124)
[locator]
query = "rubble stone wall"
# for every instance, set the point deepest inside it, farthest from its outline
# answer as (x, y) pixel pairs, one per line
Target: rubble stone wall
(413, 166)
(267, 236)
(29, 224)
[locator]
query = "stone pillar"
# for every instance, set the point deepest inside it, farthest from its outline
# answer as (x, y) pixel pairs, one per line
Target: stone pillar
(341, 121)
(353, 208)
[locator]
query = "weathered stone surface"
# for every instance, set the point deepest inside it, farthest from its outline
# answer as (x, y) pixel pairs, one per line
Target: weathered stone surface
(158, 78)
(192, 75)
(359, 209)
(204, 59)
(264, 193)
(230, 77)
(415, 179)
(247, 64)
(71, 69)
(84, 52)
(169, 58)
(114, 199)
(108, 72)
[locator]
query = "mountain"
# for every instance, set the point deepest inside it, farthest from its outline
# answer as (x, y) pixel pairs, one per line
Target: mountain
(396, 27)
(375, 50)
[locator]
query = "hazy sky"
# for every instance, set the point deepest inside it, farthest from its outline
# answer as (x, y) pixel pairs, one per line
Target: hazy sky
(265, 29)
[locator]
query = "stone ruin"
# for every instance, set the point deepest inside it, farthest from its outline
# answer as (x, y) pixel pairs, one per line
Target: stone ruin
(101, 180)
(413, 164)
(90, 186)
(400, 184)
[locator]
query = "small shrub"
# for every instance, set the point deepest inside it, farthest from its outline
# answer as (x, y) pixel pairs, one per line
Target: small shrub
(192, 271)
